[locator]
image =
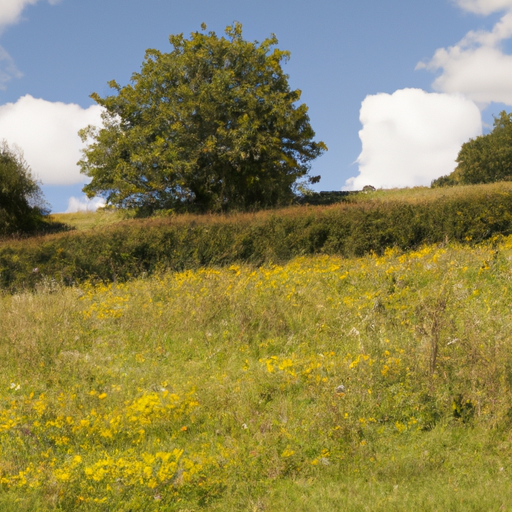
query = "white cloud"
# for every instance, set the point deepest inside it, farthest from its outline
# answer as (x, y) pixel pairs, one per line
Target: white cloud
(483, 74)
(484, 7)
(84, 205)
(411, 137)
(477, 66)
(10, 13)
(8, 69)
(10, 10)
(47, 134)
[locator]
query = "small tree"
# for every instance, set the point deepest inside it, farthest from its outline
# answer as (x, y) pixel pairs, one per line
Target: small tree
(486, 159)
(213, 125)
(22, 205)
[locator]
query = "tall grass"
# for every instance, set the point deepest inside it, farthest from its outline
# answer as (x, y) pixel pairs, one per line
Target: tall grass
(375, 383)
(358, 226)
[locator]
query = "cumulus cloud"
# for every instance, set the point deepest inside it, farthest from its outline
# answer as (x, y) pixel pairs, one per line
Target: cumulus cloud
(484, 7)
(47, 134)
(84, 205)
(477, 66)
(10, 10)
(411, 137)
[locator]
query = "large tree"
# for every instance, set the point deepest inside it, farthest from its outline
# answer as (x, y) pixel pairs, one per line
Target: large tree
(212, 125)
(22, 205)
(486, 159)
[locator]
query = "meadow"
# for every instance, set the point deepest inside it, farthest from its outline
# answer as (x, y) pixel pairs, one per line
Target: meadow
(380, 382)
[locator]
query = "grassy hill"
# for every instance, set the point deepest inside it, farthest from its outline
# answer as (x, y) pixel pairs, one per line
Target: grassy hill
(326, 383)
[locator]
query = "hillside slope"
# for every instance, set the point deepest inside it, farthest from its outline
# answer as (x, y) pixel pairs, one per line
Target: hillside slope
(373, 383)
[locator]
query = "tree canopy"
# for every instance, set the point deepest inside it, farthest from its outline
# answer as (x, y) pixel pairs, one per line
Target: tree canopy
(486, 159)
(213, 125)
(22, 205)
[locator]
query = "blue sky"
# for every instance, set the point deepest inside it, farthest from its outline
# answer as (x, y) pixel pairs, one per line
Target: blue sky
(393, 88)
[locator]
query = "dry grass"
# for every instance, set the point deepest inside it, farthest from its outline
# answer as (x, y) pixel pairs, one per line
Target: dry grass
(90, 220)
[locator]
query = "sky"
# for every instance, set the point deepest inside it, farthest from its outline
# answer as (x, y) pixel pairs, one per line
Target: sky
(393, 88)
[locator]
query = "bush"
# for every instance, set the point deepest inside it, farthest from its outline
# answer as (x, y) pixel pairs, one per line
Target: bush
(22, 206)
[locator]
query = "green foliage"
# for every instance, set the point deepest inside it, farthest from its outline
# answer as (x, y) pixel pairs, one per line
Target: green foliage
(486, 159)
(213, 125)
(21, 202)
(367, 223)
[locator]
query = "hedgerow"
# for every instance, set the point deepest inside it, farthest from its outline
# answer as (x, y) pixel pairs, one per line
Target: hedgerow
(360, 225)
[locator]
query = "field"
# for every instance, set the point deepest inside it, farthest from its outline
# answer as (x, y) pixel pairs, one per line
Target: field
(382, 382)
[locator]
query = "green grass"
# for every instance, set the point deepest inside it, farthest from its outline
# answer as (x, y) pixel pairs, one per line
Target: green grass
(218, 388)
